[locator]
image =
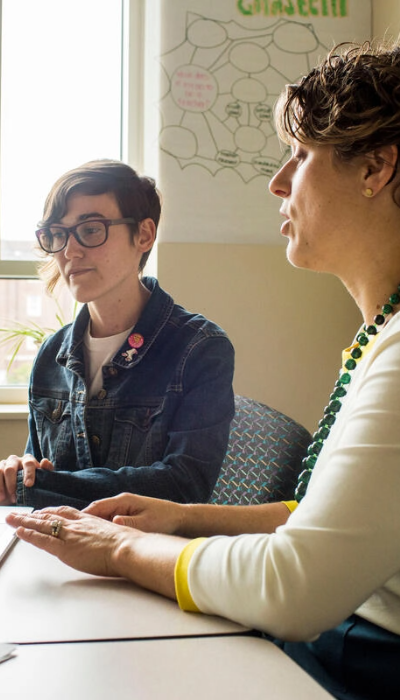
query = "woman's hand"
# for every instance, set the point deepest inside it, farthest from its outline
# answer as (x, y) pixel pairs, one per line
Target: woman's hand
(98, 547)
(141, 512)
(9, 469)
(189, 519)
(84, 542)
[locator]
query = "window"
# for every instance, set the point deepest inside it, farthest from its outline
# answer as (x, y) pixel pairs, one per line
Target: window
(60, 103)
(34, 305)
(73, 87)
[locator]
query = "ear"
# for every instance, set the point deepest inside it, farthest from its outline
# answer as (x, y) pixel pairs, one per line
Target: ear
(146, 235)
(379, 169)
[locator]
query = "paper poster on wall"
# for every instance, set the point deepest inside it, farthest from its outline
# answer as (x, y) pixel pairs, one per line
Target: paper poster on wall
(223, 65)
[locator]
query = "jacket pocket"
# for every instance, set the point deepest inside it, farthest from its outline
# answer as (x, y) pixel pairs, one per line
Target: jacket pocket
(138, 435)
(52, 419)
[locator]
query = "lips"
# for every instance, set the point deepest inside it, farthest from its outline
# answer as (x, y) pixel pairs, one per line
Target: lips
(77, 272)
(285, 224)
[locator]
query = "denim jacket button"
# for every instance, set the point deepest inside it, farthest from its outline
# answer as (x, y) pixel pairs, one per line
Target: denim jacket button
(102, 394)
(96, 440)
(113, 372)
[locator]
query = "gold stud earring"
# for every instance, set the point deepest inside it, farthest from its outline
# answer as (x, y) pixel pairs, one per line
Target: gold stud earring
(368, 192)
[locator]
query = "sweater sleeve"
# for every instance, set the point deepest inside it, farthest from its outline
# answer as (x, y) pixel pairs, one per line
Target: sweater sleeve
(182, 590)
(339, 550)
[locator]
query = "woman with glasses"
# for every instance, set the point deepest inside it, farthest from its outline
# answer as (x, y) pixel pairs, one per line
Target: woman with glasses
(136, 395)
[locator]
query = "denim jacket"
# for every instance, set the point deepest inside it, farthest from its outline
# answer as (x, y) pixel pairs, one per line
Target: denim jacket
(159, 426)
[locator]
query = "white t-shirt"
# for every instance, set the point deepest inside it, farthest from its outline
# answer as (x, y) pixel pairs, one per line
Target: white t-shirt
(97, 353)
(339, 552)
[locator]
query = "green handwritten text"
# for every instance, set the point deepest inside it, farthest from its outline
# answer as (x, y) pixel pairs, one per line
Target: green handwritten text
(289, 8)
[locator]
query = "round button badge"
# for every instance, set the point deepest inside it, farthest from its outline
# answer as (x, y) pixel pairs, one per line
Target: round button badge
(135, 340)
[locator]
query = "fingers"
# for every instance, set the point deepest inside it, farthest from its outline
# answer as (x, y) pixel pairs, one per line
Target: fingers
(103, 509)
(126, 520)
(9, 469)
(38, 520)
(8, 474)
(42, 521)
(46, 464)
(3, 491)
(40, 529)
(36, 527)
(8, 478)
(107, 508)
(82, 541)
(29, 465)
(63, 511)
(41, 540)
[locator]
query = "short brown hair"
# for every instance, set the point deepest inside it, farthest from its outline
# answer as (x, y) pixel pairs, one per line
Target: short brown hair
(136, 196)
(351, 100)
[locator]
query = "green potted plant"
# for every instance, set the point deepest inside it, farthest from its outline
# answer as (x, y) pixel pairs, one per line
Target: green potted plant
(15, 334)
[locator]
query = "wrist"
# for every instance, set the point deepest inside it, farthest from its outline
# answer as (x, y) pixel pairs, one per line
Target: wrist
(148, 559)
(122, 552)
(185, 519)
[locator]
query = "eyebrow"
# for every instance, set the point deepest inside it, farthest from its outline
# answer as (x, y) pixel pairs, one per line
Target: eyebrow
(91, 215)
(84, 217)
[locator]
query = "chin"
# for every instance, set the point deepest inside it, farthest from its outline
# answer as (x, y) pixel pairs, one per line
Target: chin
(298, 259)
(292, 255)
(80, 295)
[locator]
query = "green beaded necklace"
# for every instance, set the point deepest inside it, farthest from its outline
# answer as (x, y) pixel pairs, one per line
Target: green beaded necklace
(339, 391)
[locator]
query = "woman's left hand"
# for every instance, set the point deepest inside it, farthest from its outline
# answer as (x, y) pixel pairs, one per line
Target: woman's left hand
(83, 541)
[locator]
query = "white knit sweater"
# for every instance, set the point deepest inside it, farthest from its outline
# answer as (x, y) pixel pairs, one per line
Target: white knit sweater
(339, 552)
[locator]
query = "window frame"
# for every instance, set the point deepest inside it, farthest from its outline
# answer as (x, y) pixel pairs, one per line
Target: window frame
(139, 32)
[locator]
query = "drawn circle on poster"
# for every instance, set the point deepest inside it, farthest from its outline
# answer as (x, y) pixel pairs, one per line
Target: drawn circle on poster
(193, 88)
(263, 112)
(249, 58)
(249, 90)
(265, 165)
(205, 34)
(234, 109)
(303, 40)
(228, 159)
(249, 139)
(178, 142)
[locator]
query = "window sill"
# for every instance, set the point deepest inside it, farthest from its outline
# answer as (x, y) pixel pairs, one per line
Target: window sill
(13, 411)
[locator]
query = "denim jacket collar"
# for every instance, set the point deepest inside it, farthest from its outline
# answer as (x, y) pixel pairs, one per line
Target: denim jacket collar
(153, 319)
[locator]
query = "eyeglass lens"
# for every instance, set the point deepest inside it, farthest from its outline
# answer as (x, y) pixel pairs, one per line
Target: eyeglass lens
(89, 234)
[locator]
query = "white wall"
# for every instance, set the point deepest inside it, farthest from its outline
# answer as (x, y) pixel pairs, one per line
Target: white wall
(288, 326)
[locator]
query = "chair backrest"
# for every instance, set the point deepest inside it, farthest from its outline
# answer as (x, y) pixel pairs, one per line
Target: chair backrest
(263, 458)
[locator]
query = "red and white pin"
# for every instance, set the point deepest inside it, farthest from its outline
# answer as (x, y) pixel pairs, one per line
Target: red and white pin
(135, 340)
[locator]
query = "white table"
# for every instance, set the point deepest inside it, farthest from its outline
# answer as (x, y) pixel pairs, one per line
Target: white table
(43, 600)
(215, 668)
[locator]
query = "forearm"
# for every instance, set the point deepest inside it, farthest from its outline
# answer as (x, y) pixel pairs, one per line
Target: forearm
(149, 560)
(206, 520)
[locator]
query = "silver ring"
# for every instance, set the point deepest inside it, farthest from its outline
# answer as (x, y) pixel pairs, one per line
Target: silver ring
(56, 526)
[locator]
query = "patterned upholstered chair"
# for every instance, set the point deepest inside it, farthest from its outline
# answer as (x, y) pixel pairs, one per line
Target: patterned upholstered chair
(264, 456)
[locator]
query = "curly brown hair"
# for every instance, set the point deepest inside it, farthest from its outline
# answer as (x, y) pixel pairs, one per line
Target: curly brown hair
(136, 196)
(350, 101)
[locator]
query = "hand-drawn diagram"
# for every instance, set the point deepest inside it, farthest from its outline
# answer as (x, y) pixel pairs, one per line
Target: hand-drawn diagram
(220, 86)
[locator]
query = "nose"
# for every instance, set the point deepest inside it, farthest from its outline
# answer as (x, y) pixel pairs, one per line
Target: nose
(280, 183)
(73, 249)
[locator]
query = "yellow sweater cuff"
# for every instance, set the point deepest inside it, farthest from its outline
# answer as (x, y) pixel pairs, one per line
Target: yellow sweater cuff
(292, 505)
(183, 595)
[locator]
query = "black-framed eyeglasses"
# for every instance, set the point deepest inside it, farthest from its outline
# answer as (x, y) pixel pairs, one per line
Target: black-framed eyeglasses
(91, 233)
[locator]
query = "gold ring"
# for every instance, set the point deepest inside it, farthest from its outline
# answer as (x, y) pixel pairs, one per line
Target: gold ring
(56, 526)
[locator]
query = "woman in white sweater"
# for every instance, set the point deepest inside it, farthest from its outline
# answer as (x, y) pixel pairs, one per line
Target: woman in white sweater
(321, 573)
